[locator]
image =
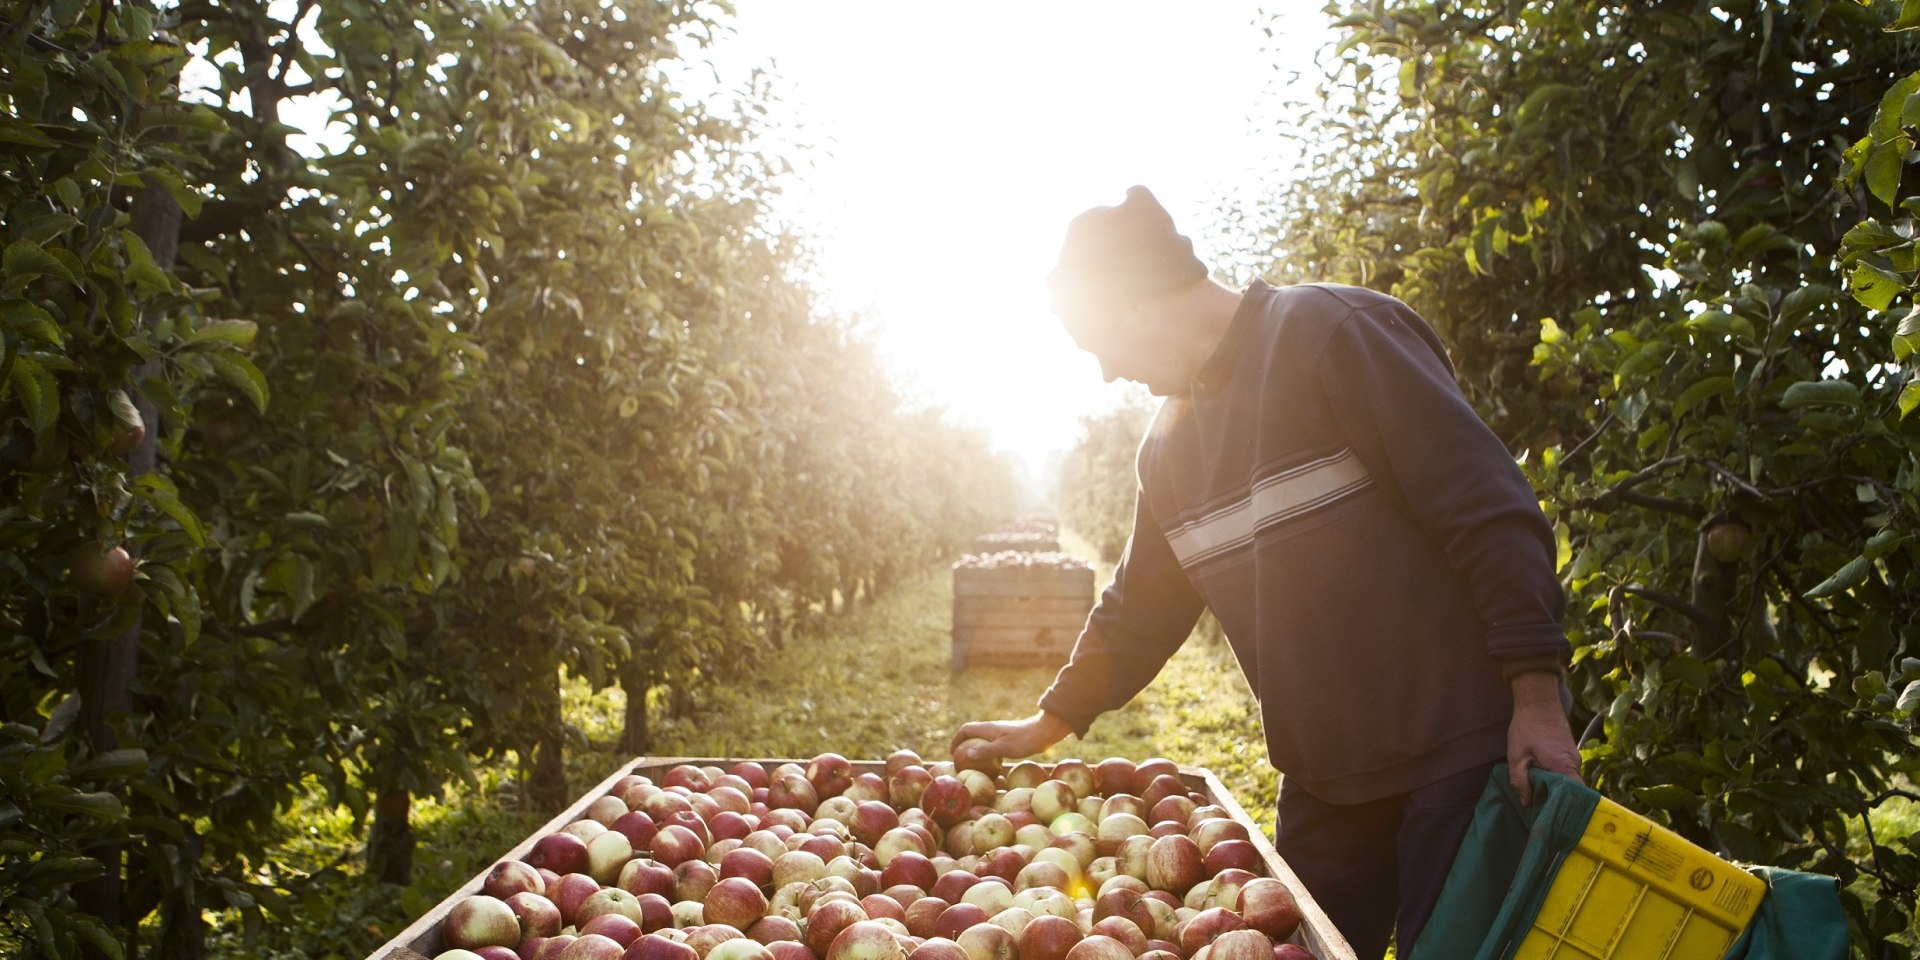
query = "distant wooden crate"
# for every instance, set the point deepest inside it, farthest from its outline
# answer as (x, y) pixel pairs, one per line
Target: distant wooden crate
(1018, 616)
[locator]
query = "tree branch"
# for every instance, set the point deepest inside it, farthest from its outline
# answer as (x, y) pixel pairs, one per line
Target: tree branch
(1672, 602)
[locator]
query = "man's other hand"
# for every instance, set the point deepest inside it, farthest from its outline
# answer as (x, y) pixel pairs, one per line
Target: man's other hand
(1539, 735)
(1009, 739)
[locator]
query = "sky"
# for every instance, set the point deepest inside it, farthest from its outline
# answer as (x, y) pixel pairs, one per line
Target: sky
(943, 147)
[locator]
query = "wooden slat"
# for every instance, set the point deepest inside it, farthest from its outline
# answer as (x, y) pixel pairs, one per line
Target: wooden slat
(422, 939)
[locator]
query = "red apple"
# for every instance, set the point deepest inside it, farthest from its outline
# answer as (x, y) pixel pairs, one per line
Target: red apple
(1146, 770)
(882, 907)
(827, 919)
(937, 948)
(619, 928)
(509, 877)
(988, 941)
(537, 915)
(740, 948)
(1292, 951)
(1076, 774)
(1048, 937)
(1161, 787)
(867, 786)
(646, 876)
(692, 880)
(909, 866)
(1098, 947)
(480, 920)
(729, 825)
(736, 902)
(1125, 903)
(570, 892)
(1174, 863)
(906, 786)
(494, 952)
(1269, 907)
(1242, 945)
(562, 853)
(790, 950)
(793, 791)
(675, 844)
(1026, 774)
(865, 940)
(923, 916)
(703, 937)
(1212, 830)
(830, 774)
(593, 946)
(900, 759)
(1114, 775)
(550, 948)
(773, 927)
(871, 820)
(751, 772)
(750, 864)
(653, 946)
(1232, 854)
(1124, 930)
(946, 800)
(956, 919)
(638, 827)
(686, 775)
(609, 900)
(1206, 926)
(1176, 808)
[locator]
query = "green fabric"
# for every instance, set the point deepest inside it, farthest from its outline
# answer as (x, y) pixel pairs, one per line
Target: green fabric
(1511, 851)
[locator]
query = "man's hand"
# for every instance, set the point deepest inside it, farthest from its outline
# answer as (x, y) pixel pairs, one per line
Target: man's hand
(1010, 739)
(1539, 735)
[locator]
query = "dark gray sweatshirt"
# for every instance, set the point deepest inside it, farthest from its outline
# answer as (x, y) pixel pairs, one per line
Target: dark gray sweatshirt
(1379, 563)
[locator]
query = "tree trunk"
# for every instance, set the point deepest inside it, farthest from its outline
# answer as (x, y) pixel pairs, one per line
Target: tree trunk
(183, 925)
(107, 666)
(390, 849)
(635, 739)
(548, 786)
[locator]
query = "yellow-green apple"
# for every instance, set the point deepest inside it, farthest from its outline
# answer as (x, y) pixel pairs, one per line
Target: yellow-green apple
(537, 915)
(987, 941)
(739, 948)
(479, 921)
(509, 877)
(592, 946)
(865, 940)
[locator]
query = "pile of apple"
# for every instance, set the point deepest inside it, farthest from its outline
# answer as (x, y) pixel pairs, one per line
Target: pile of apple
(1010, 559)
(1118, 861)
(1018, 540)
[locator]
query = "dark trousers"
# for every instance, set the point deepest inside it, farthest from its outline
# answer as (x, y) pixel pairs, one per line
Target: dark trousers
(1370, 864)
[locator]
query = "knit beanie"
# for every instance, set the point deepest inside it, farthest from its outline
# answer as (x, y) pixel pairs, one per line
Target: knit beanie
(1121, 254)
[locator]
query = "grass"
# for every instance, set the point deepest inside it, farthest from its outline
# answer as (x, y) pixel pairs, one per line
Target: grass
(865, 684)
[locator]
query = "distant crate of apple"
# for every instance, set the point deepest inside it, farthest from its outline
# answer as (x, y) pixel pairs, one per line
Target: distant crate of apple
(1029, 541)
(901, 859)
(1018, 608)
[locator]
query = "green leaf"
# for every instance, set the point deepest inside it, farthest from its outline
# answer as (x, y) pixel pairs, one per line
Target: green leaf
(99, 806)
(1906, 335)
(160, 491)
(1909, 701)
(1852, 574)
(26, 259)
(239, 333)
(1885, 163)
(1811, 392)
(24, 134)
(1909, 398)
(1798, 303)
(1701, 390)
(240, 372)
(29, 320)
(1909, 18)
(112, 765)
(37, 390)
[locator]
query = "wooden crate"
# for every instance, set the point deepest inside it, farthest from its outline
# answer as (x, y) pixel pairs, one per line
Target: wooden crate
(421, 941)
(1016, 541)
(1018, 616)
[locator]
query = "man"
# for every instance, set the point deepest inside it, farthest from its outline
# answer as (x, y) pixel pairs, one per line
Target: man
(1380, 565)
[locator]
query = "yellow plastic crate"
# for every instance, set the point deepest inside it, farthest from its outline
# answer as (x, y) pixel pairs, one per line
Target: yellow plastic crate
(1634, 890)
